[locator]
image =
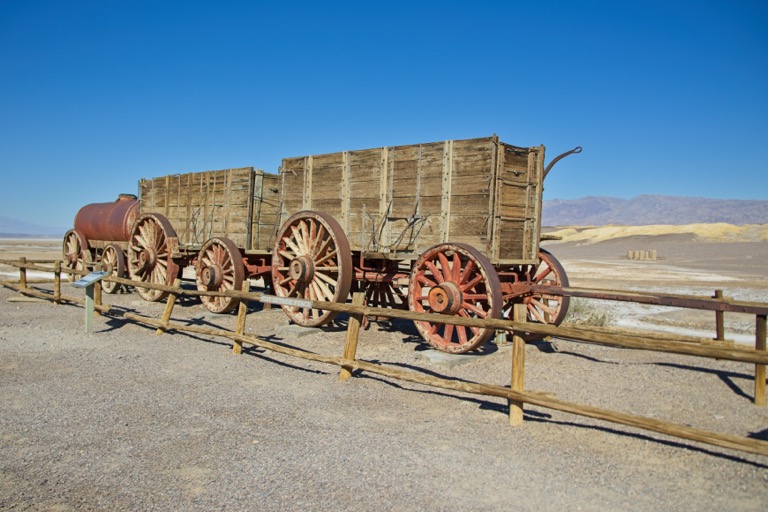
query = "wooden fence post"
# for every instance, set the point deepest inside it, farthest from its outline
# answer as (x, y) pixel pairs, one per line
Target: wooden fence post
(353, 332)
(57, 282)
(719, 319)
(172, 296)
(237, 346)
(518, 368)
(760, 344)
(97, 297)
(23, 273)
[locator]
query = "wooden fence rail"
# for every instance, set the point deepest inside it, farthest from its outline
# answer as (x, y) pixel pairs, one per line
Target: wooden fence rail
(516, 395)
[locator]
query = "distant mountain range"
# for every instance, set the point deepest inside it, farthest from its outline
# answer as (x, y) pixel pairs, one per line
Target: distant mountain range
(587, 211)
(652, 209)
(12, 228)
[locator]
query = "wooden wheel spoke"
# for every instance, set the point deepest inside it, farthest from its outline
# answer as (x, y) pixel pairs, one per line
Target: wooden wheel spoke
(325, 258)
(542, 274)
(468, 269)
(445, 266)
(320, 239)
(423, 279)
(456, 269)
(305, 235)
(326, 278)
(542, 306)
(324, 246)
(476, 310)
(448, 332)
(474, 282)
(299, 240)
(435, 273)
(535, 313)
(462, 331)
(290, 244)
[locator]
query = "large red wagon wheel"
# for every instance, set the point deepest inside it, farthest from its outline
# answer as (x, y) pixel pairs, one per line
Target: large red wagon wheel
(454, 279)
(542, 307)
(113, 261)
(311, 260)
(150, 250)
(76, 252)
(219, 268)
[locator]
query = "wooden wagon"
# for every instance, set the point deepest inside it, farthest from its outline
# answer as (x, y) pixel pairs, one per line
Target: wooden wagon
(221, 222)
(448, 227)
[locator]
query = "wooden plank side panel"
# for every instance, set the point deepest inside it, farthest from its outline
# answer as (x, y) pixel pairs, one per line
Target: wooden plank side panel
(404, 199)
(292, 190)
(518, 206)
(203, 204)
(265, 216)
(414, 199)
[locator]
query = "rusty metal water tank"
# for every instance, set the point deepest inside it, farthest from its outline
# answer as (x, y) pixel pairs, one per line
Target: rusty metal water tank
(108, 221)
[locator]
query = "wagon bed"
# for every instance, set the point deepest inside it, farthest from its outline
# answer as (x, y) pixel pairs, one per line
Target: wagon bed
(394, 202)
(240, 204)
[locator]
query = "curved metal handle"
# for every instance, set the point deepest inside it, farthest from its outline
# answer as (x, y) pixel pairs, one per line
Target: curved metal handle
(574, 151)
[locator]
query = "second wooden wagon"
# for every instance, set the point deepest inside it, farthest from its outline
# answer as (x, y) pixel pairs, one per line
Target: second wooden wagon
(449, 227)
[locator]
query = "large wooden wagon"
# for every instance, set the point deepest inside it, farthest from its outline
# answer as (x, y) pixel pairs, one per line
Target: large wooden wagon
(221, 222)
(448, 227)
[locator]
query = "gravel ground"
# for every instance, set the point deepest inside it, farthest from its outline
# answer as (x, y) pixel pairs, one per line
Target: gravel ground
(124, 419)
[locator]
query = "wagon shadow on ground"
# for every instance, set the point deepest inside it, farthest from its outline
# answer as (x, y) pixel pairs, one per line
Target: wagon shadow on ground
(411, 336)
(535, 416)
(728, 377)
(117, 321)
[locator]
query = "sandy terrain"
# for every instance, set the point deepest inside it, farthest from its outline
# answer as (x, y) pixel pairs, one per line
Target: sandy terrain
(127, 420)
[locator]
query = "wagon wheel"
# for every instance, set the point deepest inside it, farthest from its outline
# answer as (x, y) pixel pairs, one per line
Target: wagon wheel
(454, 279)
(545, 308)
(219, 268)
(76, 254)
(384, 293)
(311, 260)
(113, 261)
(149, 254)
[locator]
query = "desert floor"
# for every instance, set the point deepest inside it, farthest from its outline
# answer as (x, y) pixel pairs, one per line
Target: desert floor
(124, 419)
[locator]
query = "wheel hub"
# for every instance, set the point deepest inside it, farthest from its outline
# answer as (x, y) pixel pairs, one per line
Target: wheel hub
(445, 298)
(301, 269)
(211, 276)
(106, 266)
(147, 259)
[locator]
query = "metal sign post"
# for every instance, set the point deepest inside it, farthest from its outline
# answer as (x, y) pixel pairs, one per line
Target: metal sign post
(88, 283)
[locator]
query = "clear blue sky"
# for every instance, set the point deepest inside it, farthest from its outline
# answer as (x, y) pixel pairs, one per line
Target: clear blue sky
(666, 97)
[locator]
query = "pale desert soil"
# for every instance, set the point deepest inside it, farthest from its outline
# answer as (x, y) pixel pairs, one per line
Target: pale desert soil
(128, 420)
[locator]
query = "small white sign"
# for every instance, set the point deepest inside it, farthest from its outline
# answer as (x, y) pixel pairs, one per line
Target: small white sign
(89, 279)
(285, 301)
